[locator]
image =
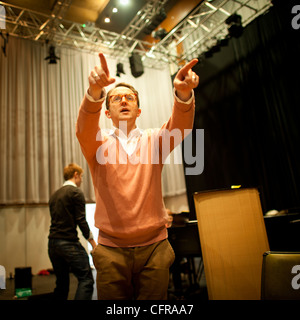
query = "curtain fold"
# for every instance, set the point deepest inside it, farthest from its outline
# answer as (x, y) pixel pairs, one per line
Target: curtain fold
(39, 103)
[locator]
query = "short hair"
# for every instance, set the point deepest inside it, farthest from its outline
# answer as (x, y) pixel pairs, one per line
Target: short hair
(70, 170)
(122, 84)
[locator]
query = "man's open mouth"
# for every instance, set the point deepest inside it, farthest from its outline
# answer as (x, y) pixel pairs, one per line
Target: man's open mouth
(125, 110)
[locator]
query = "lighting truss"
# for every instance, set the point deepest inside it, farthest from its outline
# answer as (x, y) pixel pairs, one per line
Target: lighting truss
(204, 26)
(193, 35)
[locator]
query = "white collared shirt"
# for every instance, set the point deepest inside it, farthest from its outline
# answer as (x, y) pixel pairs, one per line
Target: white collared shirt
(69, 183)
(129, 142)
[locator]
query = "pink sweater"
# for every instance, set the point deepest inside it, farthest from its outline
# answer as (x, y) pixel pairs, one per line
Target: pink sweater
(130, 210)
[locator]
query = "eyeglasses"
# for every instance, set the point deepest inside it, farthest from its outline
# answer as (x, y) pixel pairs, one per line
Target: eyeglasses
(130, 97)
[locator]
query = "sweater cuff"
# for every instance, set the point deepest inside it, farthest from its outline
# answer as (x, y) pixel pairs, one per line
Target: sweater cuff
(184, 102)
(90, 98)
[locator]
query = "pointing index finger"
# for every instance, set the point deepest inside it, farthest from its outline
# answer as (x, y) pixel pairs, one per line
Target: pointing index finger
(103, 63)
(184, 70)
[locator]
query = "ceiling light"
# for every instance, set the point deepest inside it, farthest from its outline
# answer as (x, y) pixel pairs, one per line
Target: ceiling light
(115, 10)
(124, 2)
(107, 20)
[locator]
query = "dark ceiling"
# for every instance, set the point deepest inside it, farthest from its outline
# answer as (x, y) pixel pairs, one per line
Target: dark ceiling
(119, 20)
(125, 14)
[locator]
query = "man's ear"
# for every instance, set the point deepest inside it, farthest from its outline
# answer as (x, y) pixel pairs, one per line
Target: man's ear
(139, 112)
(107, 113)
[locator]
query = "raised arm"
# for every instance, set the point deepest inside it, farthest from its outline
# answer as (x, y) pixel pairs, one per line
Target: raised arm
(182, 117)
(87, 125)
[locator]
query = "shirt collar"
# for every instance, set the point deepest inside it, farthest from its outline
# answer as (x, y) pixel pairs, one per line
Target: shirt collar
(69, 183)
(118, 133)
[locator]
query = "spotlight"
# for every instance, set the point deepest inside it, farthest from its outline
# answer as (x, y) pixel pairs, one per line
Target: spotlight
(124, 2)
(235, 28)
(5, 38)
(52, 57)
(224, 42)
(159, 34)
(208, 53)
(120, 69)
(216, 48)
(155, 22)
(136, 65)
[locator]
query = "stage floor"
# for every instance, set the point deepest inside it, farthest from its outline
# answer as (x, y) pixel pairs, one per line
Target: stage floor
(42, 285)
(45, 284)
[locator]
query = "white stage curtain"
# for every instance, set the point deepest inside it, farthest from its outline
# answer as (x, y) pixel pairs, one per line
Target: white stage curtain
(38, 107)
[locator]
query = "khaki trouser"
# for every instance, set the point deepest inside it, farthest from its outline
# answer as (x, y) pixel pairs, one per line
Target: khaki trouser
(140, 273)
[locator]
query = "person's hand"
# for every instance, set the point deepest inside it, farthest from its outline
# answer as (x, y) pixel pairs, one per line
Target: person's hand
(93, 243)
(99, 78)
(186, 80)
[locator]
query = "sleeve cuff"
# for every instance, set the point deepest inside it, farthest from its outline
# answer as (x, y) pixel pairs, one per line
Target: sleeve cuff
(184, 102)
(90, 98)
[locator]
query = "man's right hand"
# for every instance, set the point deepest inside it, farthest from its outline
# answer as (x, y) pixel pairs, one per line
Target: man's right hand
(99, 78)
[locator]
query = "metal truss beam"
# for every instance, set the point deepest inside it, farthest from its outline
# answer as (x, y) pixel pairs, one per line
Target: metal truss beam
(206, 25)
(193, 36)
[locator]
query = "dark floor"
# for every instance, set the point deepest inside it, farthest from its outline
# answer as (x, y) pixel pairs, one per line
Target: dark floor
(41, 285)
(193, 287)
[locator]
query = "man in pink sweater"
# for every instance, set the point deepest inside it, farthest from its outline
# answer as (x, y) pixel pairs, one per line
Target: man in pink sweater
(133, 255)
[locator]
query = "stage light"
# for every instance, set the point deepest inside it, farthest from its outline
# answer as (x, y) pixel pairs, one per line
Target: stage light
(120, 69)
(124, 2)
(159, 34)
(224, 42)
(136, 65)
(208, 53)
(235, 28)
(107, 20)
(216, 48)
(52, 57)
(5, 38)
(155, 22)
